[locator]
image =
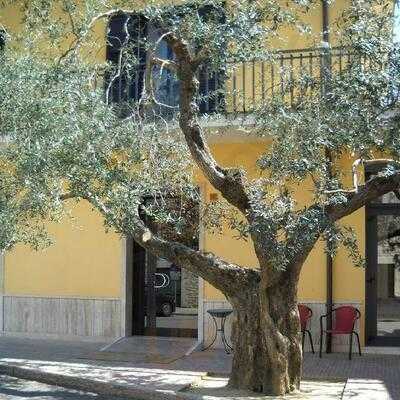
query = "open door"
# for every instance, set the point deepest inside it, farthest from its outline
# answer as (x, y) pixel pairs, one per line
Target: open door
(165, 295)
(138, 288)
(159, 305)
(383, 272)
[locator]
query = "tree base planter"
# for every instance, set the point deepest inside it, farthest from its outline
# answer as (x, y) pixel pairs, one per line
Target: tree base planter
(310, 390)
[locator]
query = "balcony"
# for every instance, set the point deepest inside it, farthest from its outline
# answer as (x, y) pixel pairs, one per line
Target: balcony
(288, 75)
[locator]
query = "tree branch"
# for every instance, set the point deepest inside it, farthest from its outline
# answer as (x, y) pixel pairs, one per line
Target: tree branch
(229, 181)
(371, 190)
(328, 215)
(223, 275)
(227, 277)
(374, 188)
(78, 41)
(67, 196)
(169, 64)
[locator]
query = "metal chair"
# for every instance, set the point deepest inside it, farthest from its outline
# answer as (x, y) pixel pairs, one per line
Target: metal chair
(305, 314)
(344, 321)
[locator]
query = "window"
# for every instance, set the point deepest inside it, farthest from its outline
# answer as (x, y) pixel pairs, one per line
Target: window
(126, 84)
(126, 34)
(166, 86)
(2, 39)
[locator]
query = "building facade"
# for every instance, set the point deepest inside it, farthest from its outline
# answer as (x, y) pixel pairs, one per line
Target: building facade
(91, 283)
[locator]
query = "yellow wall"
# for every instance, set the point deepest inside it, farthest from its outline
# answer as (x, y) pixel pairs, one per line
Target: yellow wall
(84, 261)
(313, 277)
(348, 280)
(240, 154)
(11, 19)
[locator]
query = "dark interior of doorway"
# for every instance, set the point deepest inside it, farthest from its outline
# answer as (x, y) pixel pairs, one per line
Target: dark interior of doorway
(140, 302)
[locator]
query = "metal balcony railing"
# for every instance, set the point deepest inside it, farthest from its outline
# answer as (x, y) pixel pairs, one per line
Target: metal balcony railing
(288, 75)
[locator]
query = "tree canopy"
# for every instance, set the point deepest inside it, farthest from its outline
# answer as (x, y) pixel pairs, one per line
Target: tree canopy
(64, 138)
(65, 141)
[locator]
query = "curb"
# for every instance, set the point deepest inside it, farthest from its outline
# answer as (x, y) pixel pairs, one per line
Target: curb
(88, 385)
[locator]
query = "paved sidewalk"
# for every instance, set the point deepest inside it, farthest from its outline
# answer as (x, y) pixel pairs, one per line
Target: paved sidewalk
(70, 364)
(16, 389)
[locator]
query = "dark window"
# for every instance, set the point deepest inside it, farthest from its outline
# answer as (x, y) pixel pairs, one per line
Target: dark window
(127, 53)
(2, 39)
(211, 81)
(166, 85)
(126, 83)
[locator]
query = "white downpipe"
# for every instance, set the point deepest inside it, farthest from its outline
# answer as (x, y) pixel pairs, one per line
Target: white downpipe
(356, 163)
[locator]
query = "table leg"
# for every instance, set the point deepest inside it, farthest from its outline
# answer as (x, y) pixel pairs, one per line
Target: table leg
(228, 347)
(215, 334)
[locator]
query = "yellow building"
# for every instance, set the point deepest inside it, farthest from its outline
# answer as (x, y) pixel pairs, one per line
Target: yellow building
(91, 283)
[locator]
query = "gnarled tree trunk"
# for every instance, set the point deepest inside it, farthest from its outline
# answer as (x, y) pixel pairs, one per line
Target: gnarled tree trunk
(266, 340)
(266, 329)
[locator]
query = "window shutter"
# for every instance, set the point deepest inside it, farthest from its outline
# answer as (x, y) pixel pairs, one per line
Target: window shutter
(129, 84)
(211, 81)
(2, 39)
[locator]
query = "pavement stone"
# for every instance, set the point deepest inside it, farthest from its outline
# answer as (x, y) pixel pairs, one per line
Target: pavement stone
(137, 383)
(69, 364)
(12, 388)
(366, 389)
(369, 368)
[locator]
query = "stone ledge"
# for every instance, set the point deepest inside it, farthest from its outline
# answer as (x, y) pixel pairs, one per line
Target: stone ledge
(204, 387)
(88, 385)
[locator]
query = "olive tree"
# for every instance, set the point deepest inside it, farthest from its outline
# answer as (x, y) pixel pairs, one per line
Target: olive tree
(64, 139)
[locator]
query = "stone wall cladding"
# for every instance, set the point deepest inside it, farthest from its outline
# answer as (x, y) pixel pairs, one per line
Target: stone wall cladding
(189, 289)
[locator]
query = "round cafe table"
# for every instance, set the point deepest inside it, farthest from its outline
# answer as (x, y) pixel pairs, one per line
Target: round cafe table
(220, 314)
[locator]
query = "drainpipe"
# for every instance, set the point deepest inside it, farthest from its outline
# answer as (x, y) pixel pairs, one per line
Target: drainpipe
(329, 299)
(325, 21)
(329, 260)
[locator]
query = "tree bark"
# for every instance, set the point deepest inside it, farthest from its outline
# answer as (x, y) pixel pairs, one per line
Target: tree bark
(266, 341)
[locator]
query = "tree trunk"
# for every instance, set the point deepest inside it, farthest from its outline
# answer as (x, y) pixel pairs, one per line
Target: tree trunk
(266, 341)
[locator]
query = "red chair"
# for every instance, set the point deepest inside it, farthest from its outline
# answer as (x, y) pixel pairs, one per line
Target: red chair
(344, 320)
(305, 314)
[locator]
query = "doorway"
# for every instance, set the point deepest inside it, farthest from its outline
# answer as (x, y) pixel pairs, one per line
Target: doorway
(382, 278)
(164, 297)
